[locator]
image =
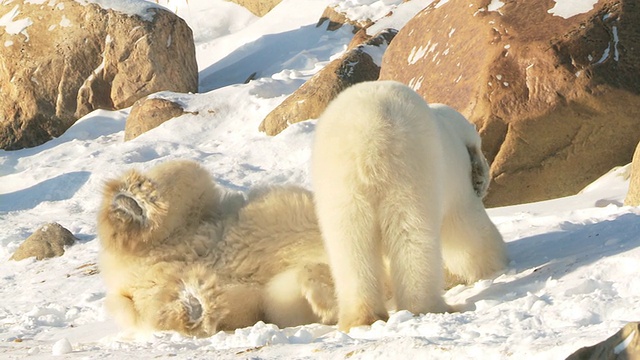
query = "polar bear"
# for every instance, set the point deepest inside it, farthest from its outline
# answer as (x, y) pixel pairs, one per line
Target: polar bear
(180, 253)
(400, 182)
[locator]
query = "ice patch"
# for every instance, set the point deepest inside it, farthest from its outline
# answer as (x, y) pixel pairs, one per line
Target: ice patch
(12, 26)
(417, 54)
(415, 84)
(495, 5)
(570, 8)
(616, 54)
(65, 22)
(623, 345)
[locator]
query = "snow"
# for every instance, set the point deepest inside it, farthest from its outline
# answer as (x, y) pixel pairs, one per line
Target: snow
(129, 7)
(495, 5)
(12, 25)
(399, 16)
(572, 280)
(570, 8)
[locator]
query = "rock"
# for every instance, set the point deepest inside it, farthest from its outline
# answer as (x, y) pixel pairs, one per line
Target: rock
(76, 58)
(258, 7)
(309, 101)
(358, 38)
(148, 113)
(633, 194)
(555, 99)
(47, 242)
(337, 19)
(625, 344)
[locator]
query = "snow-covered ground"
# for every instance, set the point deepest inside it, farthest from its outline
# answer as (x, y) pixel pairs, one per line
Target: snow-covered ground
(573, 279)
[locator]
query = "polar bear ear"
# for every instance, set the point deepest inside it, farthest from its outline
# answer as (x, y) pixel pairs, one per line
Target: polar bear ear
(480, 175)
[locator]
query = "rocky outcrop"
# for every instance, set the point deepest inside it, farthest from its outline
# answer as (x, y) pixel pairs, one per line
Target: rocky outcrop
(47, 242)
(359, 64)
(335, 20)
(61, 60)
(555, 98)
(258, 7)
(633, 195)
(623, 345)
(149, 113)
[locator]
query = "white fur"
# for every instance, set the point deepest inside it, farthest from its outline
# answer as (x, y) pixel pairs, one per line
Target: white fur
(396, 178)
(180, 254)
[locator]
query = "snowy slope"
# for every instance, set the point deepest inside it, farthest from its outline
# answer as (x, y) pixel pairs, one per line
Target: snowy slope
(572, 280)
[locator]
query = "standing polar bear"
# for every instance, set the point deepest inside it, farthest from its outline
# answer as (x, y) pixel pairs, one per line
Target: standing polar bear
(398, 180)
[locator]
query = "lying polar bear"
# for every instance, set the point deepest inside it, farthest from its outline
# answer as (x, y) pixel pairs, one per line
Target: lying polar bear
(180, 253)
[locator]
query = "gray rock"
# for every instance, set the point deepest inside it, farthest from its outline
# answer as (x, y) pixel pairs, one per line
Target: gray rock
(48, 241)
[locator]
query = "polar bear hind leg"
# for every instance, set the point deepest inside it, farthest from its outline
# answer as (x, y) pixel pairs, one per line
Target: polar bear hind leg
(353, 243)
(193, 300)
(412, 239)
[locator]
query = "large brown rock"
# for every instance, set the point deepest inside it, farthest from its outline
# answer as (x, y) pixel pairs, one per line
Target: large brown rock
(258, 7)
(149, 113)
(47, 242)
(633, 195)
(556, 100)
(310, 100)
(76, 58)
(623, 345)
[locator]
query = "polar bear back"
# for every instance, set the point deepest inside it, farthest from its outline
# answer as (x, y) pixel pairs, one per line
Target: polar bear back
(370, 121)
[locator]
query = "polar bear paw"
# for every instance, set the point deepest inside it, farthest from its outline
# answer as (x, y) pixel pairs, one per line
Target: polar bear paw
(318, 288)
(185, 313)
(135, 199)
(192, 307)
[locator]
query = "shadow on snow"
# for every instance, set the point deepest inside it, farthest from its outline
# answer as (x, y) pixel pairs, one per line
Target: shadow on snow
(61, 187)
(556, 254)
(268, 55)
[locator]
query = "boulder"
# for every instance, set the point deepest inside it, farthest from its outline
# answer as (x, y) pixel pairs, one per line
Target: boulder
(633, 195)
(623, 345)
(258, 7)
(61, 59)
(149, 113)
(337, 19)
(359, 64)
(47, 242)
(554, 94)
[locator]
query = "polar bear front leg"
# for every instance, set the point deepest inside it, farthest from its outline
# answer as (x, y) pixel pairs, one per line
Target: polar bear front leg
(472, 246)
